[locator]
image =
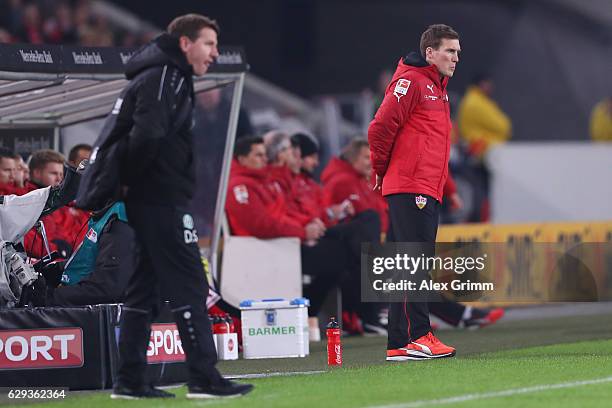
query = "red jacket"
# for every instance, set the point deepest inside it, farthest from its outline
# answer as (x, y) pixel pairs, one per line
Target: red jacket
(410, 134)
(256, 205)
(286, 180)
(341, 182)
(65, 224)
(310, 199)
(8, 189)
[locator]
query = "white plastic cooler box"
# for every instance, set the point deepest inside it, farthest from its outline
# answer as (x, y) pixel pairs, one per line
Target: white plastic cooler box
(275, 328)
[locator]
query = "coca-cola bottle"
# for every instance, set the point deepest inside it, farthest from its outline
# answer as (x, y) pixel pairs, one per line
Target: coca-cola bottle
(220, 325)
(334, 344)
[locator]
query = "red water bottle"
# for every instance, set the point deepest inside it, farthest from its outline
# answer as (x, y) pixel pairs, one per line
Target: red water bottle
(220, 325)
(334, 344)
(230, 321)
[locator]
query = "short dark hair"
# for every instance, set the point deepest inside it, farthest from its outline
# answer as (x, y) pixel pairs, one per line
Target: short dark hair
(74, 152)
(6, 153)
(351, 150)
(40, 158)
(244, 145)
(433, 36)
(190, 26)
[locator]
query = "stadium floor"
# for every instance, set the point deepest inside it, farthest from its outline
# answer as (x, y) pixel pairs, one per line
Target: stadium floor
(559, 361)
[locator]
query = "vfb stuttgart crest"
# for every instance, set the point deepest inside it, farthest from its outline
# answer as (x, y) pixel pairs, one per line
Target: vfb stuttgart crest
(420, 201)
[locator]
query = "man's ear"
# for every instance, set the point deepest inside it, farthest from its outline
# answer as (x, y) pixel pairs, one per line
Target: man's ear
(428, 52)
(184, 43)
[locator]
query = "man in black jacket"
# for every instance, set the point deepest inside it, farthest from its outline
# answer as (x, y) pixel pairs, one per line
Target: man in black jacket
(158, 171)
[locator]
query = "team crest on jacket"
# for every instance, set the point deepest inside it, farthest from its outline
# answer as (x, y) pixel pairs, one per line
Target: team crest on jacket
(188, 221)
(401, 88)
(242, 194)
(420, 201)
(92, 235)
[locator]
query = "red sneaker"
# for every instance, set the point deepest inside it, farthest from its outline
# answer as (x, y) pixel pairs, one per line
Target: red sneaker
(482, 318)
(351, 324)
(423, 348)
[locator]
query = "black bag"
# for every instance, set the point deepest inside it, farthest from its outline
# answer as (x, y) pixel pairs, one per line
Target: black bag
(101, 181)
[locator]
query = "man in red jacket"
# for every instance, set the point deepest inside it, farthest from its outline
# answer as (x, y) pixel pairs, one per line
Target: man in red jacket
(308, 192)
(410, 145)
(257, 206)
(347, 178)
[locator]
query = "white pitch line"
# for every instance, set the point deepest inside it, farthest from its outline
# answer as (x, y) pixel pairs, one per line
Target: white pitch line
(274, 374)
(505, 393)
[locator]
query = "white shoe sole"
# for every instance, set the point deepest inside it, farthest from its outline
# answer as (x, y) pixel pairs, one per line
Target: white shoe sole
(416, 355)
(406, 358)
(125, 397)
(210, 396)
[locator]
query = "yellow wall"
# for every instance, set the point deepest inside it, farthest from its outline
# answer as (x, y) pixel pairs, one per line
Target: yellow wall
(543, 262)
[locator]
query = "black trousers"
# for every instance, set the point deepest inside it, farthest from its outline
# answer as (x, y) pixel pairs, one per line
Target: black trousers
(447, 310)
(168, 268)
(335, 260)
(363, 228)
(409, 320)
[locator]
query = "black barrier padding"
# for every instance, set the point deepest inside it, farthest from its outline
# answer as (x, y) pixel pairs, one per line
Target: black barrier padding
(91, 320)
(163, 373)
(66, 59)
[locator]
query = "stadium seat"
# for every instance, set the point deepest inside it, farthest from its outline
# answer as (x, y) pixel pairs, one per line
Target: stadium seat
(253, 268)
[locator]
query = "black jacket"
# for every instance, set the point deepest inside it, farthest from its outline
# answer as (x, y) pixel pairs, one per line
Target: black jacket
(157, 161)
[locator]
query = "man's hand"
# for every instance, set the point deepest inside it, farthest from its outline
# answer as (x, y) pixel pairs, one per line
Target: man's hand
(314, 230)
(456, 203)
(342, 210)
(378, 185)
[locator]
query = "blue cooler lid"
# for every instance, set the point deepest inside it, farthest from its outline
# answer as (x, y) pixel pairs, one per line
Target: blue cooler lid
(302, 301)
(274, 303)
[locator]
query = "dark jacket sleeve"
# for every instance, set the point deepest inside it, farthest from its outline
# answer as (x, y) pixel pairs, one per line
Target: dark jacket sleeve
(155, 100)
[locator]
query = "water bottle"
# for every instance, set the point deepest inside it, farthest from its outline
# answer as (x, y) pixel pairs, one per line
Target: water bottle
(230, 321)
(220, 325)
(334, 344)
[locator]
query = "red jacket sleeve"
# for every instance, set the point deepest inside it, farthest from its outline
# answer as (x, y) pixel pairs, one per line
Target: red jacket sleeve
(395, 109)
(249, 215)
(450, 187)
(339, 190)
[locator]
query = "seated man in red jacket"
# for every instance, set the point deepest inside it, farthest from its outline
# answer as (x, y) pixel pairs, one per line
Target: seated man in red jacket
(257, 206)
(64, 227)
(308, 192)
(342, 225)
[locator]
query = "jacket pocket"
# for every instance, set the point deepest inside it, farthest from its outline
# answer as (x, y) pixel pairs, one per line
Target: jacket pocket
(413, 158)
